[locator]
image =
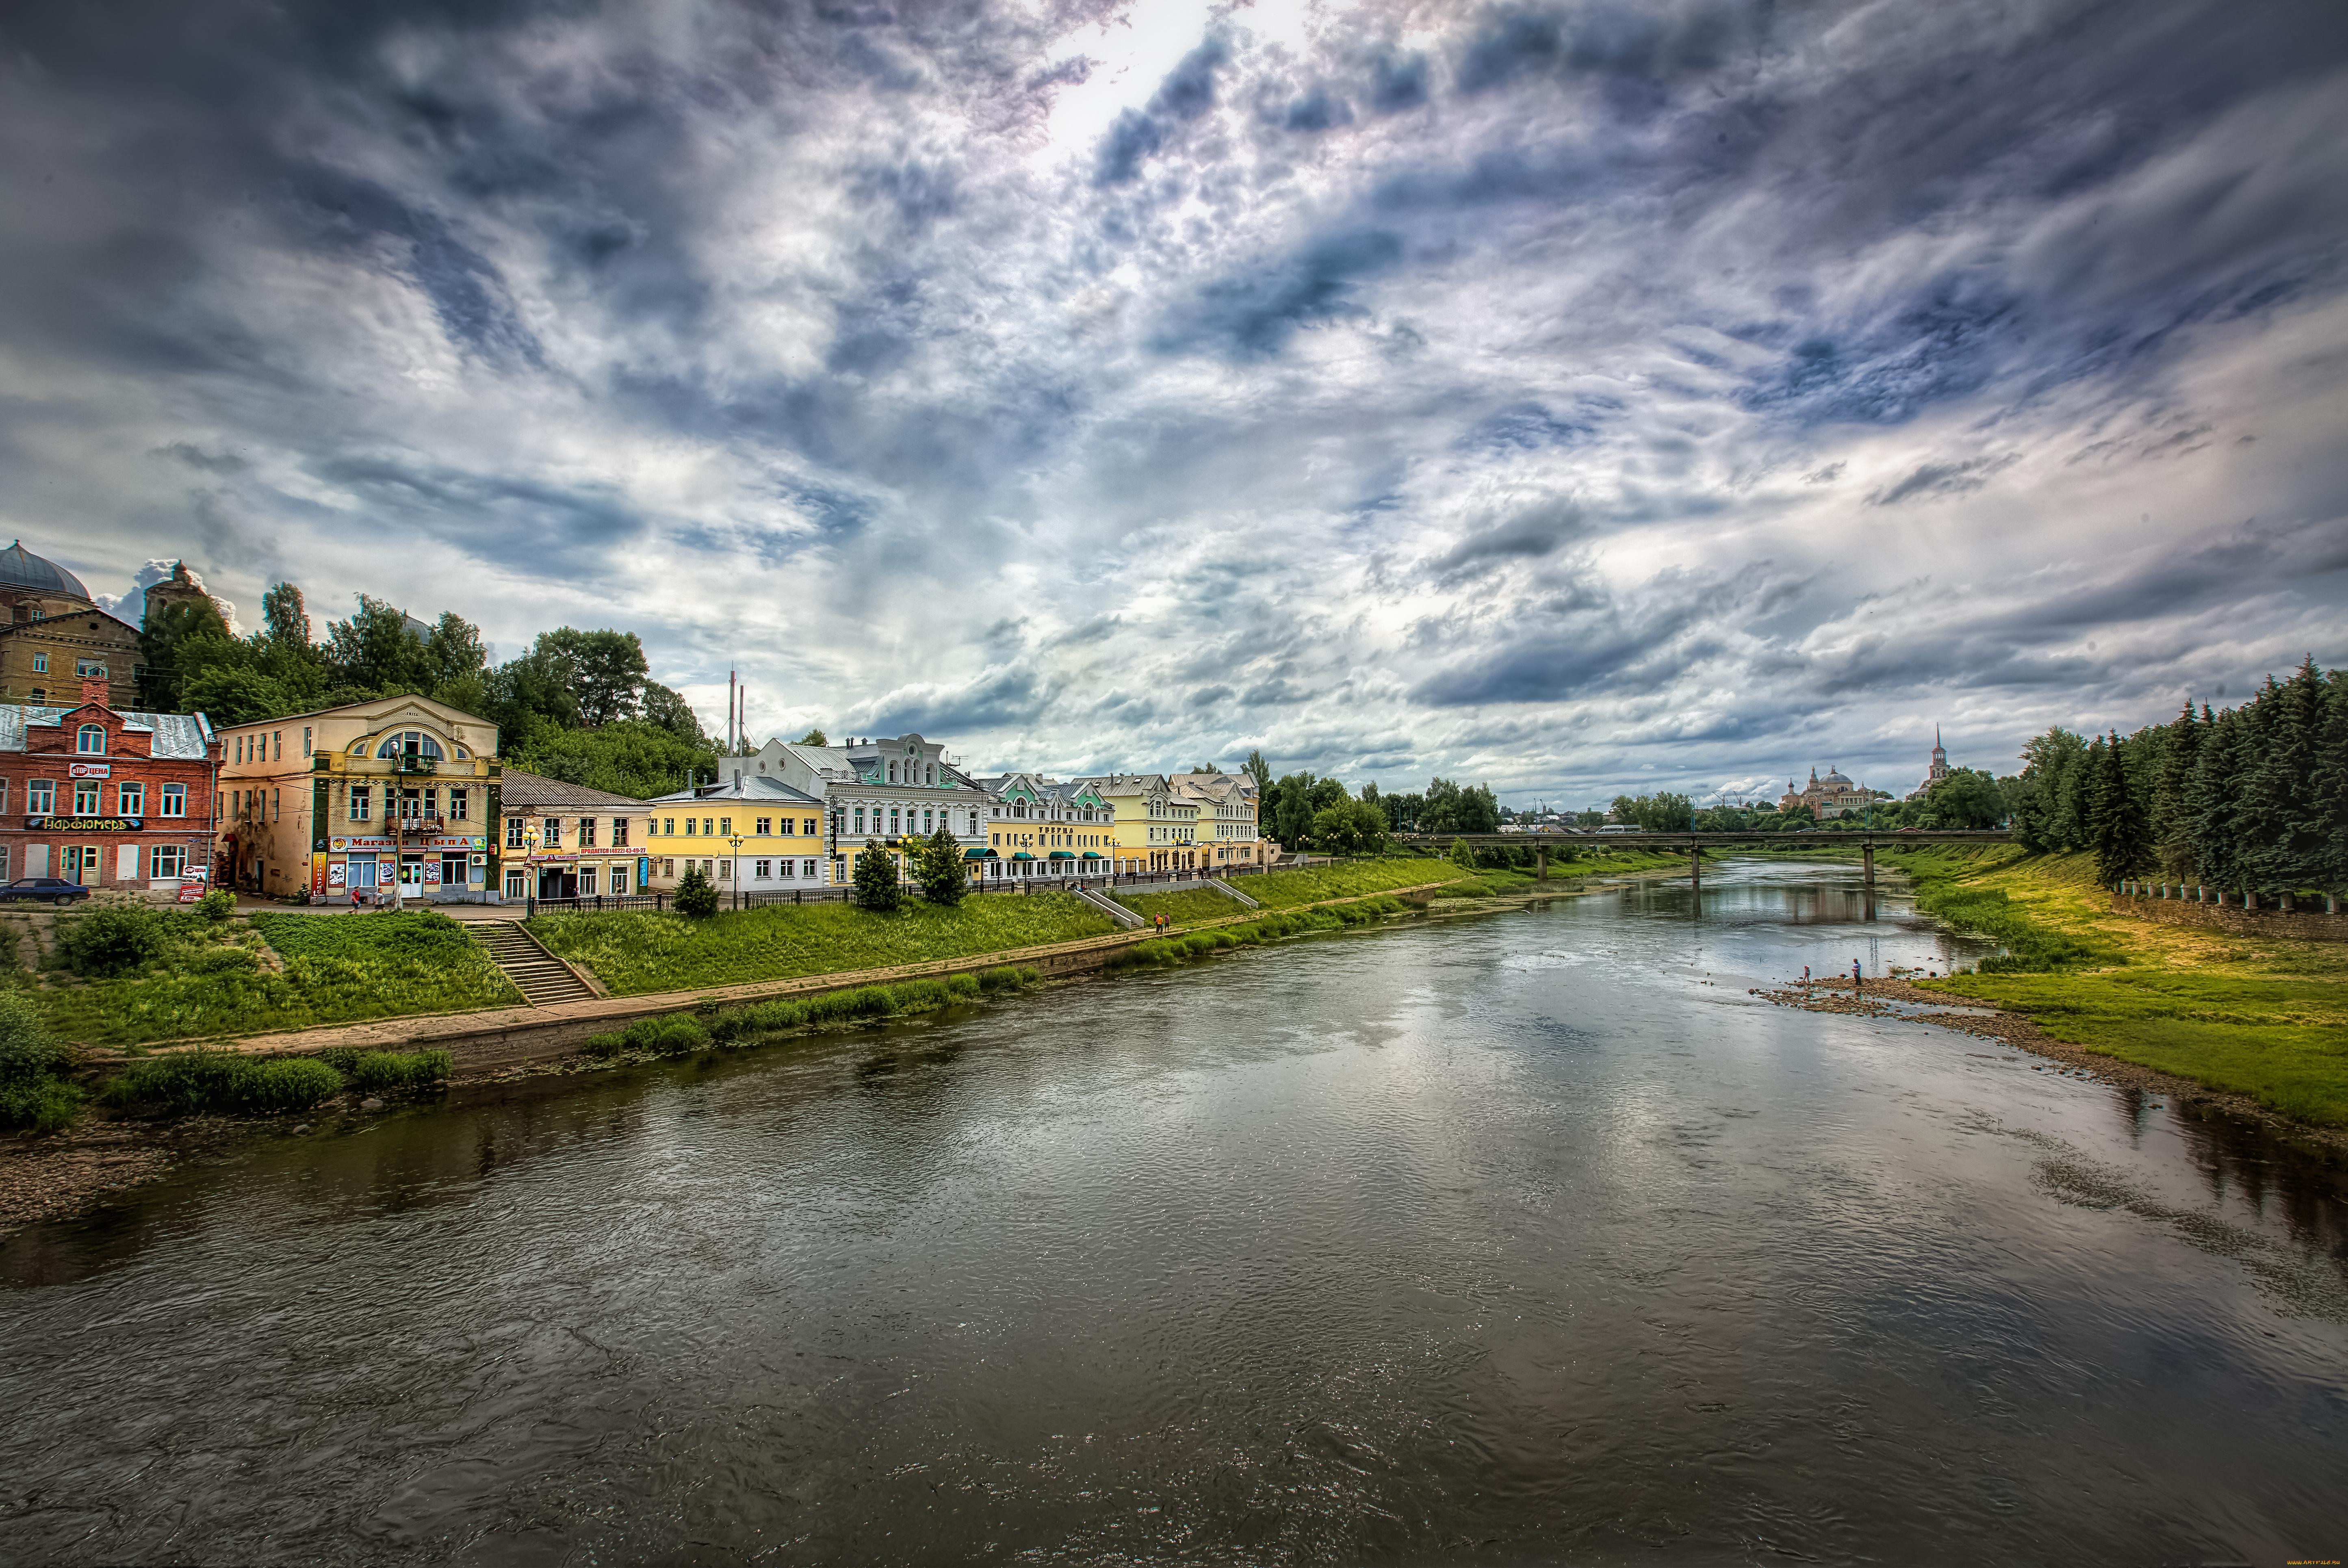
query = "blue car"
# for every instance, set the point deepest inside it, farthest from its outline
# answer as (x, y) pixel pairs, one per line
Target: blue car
(43, 889)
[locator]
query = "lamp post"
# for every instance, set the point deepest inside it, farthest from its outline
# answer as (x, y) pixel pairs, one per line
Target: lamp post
(734, 843)
(530, 841)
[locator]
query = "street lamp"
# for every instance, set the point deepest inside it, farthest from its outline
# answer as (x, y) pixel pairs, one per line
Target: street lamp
(735, 843)
(529, 840)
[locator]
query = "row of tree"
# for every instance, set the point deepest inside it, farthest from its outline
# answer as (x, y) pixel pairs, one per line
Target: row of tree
(579, 706)
(2252, 799)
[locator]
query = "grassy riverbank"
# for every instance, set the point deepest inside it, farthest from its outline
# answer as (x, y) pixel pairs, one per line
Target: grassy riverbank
(2260, 1017)
(168, 974)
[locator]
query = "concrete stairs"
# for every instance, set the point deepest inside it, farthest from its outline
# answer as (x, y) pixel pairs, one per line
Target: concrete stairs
(1225, 888)
(542, 978)
(1109, 907)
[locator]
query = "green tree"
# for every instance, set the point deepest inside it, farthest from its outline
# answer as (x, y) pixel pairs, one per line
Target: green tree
(160, 642)
(632, 758)
(695, 896)
(673, 713)
(814, 737)
(1462, 856)
(604, 671)
(2328, 791)
(2172, 815)
(942, 874)
(2211, 800)
(1257, 768)
(373, 651)
(2117, 830)
(1964, 798)
(874, 886)
(2289, 839)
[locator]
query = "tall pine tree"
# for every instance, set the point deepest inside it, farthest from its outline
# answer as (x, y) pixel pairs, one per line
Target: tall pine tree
(2328, 794)
(2211, 800)
(2291, 851)
(2172, 817)
(2115, 827)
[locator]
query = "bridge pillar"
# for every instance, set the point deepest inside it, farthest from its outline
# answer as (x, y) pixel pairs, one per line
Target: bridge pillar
(1540, 862)
(1696, 866)
(1866, 859)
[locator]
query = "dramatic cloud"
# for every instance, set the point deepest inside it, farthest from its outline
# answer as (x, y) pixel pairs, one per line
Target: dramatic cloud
(1570, 395)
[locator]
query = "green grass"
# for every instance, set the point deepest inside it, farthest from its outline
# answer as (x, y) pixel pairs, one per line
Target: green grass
(187, 1082)
(734, 1028)
(1186, 906)
(641, 953)
(1165, 951)
(2257, 1015)
(207, 979)
(1342, 879)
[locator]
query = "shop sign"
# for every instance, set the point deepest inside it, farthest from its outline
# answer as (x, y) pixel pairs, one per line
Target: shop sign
(91, 770)
(86, 824)
(191, 884)
(453, 843)
(334, 870)
(362, 843)
(317, 876)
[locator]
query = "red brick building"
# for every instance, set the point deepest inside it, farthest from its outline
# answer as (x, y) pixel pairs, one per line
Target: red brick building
(105, 798)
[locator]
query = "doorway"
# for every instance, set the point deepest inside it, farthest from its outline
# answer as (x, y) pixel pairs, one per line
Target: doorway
(81, 864)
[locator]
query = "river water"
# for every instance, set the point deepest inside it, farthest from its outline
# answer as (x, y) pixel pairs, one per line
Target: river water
(1520, 1238)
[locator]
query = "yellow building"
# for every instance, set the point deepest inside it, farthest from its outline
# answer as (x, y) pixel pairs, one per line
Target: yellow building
(1229, 834)
(565, 840)
(1156, 829)
(1036, 827)
(401, 789)
(754, 834)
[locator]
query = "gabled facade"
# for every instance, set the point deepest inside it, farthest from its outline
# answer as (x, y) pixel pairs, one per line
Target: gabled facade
(1228, 832)
(752, 833)
(54, 639)
(105, 798)
(1040, 826)
(1156, 829)
(892, 793)
(400, 791)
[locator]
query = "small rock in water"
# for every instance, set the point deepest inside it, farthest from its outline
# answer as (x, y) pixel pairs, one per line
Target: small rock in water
(301, 1129)
(370, 1103)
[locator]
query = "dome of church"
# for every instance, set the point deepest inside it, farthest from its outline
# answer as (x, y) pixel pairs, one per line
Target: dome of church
(1835, 780)
(20, 568)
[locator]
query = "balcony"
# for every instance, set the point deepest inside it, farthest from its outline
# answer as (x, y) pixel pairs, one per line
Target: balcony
(408, 763)
(421, 827)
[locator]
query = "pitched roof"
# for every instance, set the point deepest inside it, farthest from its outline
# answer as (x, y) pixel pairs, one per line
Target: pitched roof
(181, 737)
(752, 787)
(533, 792)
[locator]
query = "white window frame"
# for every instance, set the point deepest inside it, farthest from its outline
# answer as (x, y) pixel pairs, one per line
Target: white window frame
(85, 735)
(173, 800)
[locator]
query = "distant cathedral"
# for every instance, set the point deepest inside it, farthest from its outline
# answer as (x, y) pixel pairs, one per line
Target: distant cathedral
(1828, 797)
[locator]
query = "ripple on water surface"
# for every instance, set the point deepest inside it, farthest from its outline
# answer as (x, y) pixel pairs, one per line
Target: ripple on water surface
(1507, 1237)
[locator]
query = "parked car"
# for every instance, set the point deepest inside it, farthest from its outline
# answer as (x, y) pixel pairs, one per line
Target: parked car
(43, 889)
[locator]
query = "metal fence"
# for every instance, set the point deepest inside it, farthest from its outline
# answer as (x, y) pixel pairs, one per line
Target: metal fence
(602, 903)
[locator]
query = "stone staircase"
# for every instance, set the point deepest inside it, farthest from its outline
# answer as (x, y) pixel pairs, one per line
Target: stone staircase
(544, 978)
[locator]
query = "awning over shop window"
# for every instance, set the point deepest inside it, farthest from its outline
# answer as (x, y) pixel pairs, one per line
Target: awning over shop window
(1063, 855)
(980, 855)
(1022, 855)
(1089, 855)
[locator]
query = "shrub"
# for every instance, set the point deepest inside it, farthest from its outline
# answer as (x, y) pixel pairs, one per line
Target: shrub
(695, 896)
(374, 1072)
(36, 1095)
(681, 1035)
(875, 886)
(944, 873)
(118, 939)
(216, 905)
(1007, 977)
(187, 1082)
(604, 1046)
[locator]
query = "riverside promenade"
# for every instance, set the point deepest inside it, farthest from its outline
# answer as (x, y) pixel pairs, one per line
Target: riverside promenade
(490, 1038)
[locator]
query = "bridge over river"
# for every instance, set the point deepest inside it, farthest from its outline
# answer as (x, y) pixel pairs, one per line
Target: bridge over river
(1865, 840)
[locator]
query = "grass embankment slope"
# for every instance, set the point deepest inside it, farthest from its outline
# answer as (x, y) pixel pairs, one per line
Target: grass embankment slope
(170, 975)
(644, 953)
(2260, 1017)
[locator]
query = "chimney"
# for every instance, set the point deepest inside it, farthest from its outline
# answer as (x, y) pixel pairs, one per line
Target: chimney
(93, 689)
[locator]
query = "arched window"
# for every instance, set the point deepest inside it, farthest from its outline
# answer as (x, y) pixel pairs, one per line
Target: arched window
(409, 743)
(90, 740)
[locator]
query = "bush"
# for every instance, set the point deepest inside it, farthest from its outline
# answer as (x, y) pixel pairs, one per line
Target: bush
(36, 1095)
(1007, 977)
(604, 1046)
(875, 882)
(118, 939)
(216, 905)
(944, 873)
(375, 1071)
(187, 1082)
(695, 896)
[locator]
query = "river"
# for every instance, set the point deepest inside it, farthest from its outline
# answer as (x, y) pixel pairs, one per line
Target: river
(1523, 1237)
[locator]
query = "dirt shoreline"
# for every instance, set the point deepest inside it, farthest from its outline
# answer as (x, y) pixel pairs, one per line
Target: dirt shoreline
(1835, 995)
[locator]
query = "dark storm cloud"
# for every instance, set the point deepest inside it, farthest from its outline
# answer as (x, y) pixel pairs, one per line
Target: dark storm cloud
(1045, 381)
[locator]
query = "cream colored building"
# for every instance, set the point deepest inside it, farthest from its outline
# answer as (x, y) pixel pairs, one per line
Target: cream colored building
(1156, 829)
(1228, 832)
(398, 789)
(555, 840)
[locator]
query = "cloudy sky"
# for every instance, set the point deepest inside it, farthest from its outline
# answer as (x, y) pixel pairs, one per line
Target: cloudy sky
(1571, 397)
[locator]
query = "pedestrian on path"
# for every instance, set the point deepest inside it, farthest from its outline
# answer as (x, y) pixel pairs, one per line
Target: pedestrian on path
(1854, 975)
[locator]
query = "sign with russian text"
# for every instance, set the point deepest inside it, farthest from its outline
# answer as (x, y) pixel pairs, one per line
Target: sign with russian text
(86, 824)
(342, 845)
(91, 770)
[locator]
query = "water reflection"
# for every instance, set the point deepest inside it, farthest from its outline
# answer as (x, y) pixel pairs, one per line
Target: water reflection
(1527, 1237)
